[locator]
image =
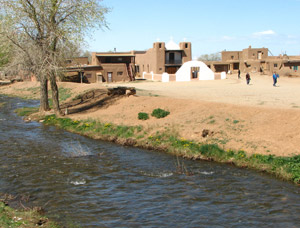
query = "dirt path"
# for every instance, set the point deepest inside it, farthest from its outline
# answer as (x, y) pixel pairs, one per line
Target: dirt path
(257, 118)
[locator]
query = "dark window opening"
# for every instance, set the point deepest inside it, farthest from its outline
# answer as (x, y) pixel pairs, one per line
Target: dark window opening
(159, 45)
(172, 56)
(119, 73)
(236, 66)
(195, 72)
(186, 45)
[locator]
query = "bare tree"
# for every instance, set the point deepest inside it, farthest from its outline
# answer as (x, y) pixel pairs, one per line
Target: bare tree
(42, 30)
(210, 57)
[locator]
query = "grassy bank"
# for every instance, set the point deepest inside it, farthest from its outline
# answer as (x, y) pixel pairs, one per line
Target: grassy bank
(287, 168)
(23, 218)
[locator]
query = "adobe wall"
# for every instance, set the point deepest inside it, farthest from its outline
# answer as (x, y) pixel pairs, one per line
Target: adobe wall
(252, 53)
(187, 48)
(231, 55)
(153, 60)
(90, 76)
(114, 69)
(95, 60)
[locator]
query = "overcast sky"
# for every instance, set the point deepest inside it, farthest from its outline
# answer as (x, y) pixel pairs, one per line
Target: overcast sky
(212, 26)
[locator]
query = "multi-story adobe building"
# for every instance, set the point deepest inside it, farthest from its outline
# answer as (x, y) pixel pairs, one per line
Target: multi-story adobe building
(126, 66)
(256, 60)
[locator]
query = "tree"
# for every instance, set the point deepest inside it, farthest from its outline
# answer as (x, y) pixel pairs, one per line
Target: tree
(5, 52)
(42, 30)
(210, 57)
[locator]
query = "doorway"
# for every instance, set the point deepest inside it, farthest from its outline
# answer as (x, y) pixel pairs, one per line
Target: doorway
(109, 77)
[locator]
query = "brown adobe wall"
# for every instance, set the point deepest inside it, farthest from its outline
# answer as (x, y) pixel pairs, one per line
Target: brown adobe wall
(172, 77)
(231, 55)
(157, 77)
(148, 76)
(187, 54)
(90, 75)
(252, 53)
(95, 60)
(114, 69)
(153, 60)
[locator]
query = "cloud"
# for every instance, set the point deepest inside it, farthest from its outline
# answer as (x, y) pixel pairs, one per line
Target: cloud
(264, 33)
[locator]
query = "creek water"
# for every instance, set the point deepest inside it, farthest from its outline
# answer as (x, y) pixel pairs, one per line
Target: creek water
(98, 184)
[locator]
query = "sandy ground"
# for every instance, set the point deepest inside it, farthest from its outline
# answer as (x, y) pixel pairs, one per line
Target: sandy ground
(257, 118)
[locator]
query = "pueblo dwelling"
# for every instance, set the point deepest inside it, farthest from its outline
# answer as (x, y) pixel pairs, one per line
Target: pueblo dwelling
(256, 60)
(126, 66)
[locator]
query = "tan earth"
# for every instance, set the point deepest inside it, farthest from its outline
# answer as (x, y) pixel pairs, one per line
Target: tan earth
(257, 118)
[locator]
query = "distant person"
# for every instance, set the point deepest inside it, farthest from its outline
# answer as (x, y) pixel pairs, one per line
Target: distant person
(248, 78)
(239, 74)
(275, 76)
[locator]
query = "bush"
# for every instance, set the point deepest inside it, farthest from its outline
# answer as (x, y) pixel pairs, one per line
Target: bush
(143, 116)
(160, 113)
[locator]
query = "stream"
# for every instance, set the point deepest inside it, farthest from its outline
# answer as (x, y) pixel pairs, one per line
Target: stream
(93, 183)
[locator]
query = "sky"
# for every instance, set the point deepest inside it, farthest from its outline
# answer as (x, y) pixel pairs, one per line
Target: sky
(210, 25)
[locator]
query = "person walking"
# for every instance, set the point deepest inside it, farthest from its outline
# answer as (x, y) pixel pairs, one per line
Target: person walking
(239, 74)
(275, 76)
(248, 78)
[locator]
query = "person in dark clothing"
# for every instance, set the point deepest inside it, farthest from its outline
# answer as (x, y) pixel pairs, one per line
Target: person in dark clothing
(248, 78)
(239, 74)
(275, 76)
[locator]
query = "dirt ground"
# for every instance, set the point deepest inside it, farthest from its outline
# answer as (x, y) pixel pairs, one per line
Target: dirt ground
(257, 118)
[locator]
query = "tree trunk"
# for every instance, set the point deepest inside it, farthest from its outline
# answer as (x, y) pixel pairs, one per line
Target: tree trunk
(55, 99)
(44, 103)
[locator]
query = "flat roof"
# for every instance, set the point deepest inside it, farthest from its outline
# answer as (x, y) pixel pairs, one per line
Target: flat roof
(82, 66)
(115, 54)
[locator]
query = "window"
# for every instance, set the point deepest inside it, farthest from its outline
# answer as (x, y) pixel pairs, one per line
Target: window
(159, 45)
(232, 57)
(137, 68)
(120, 59)
(172, 56)
(194, 71)
(295, 68)
(119, 73)
(275, 64)
(186, 45)
(88, 75)
(259, 55)
(236, 66)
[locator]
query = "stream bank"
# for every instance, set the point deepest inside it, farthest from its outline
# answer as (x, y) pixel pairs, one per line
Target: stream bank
(100, 184)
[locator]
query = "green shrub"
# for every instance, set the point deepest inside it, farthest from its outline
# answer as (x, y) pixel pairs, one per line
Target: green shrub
(160, 113)
(143, 116)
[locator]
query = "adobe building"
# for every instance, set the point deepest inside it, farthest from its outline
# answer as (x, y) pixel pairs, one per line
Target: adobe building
(256, 60)
(126, 66)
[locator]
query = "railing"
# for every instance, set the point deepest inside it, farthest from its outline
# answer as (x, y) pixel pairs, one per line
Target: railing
(175, 62)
